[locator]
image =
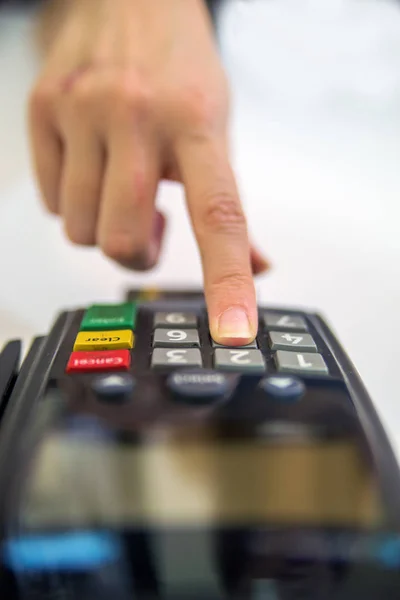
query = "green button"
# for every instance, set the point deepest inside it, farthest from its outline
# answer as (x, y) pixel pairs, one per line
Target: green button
(109, 316)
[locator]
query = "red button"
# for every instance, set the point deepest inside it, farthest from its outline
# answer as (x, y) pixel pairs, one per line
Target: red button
(110, 360)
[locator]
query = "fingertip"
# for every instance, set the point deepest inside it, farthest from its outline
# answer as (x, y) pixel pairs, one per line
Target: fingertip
(149, 258)
(235, 326)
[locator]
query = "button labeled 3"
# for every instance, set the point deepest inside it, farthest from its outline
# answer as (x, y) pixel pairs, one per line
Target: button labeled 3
(163, 357)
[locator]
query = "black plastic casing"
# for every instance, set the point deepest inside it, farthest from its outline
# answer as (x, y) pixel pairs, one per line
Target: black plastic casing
(348, 407)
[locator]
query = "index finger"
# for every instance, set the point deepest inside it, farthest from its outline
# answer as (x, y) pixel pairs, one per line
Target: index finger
(220, 227)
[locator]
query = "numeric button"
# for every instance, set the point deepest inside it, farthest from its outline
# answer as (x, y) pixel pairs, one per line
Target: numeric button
(279, 321)
(281, 340)
(289, 362)
(173, 319)
(163, 338)
(251, 361)
(252, 344)
(176, 357)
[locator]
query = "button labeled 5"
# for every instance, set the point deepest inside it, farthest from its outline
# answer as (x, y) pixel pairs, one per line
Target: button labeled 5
(104, 340)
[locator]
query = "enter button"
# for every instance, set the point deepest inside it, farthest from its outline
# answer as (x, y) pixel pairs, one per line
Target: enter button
(199, 386)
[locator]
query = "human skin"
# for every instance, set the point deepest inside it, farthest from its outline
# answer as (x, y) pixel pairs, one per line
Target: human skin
(132, 92)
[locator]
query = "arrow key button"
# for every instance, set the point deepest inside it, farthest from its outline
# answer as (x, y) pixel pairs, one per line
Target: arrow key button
(115, 387)
(283, 388)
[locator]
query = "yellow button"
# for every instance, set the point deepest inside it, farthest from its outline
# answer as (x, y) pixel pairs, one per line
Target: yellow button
(104, 340)
(149, 294)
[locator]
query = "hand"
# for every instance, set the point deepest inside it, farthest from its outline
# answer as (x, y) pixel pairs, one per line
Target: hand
(132, 92)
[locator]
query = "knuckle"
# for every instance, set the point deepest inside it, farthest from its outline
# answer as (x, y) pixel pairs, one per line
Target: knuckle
(129, 96)
(83, 95)
(231, 282)
(200, 106)
(222, 213)
(40, 99)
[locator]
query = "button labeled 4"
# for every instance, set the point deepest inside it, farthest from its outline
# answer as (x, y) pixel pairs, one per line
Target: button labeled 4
(281, 340)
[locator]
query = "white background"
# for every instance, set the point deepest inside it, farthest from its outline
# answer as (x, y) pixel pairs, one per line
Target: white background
(316, 147)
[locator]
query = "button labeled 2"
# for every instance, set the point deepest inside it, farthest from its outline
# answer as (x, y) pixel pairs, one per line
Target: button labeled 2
(239, 360)
(104, 340)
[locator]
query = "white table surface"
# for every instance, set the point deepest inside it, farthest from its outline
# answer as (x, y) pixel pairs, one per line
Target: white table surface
(316, 147)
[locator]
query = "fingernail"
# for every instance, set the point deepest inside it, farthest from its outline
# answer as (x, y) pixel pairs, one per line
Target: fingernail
(158, 225)
(260, 266)
(153, 252)
(259, 263)
(234, 324)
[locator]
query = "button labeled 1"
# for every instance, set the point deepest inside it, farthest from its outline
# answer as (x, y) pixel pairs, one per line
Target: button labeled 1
(239, 360)
(176, 337)
(301, 362)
